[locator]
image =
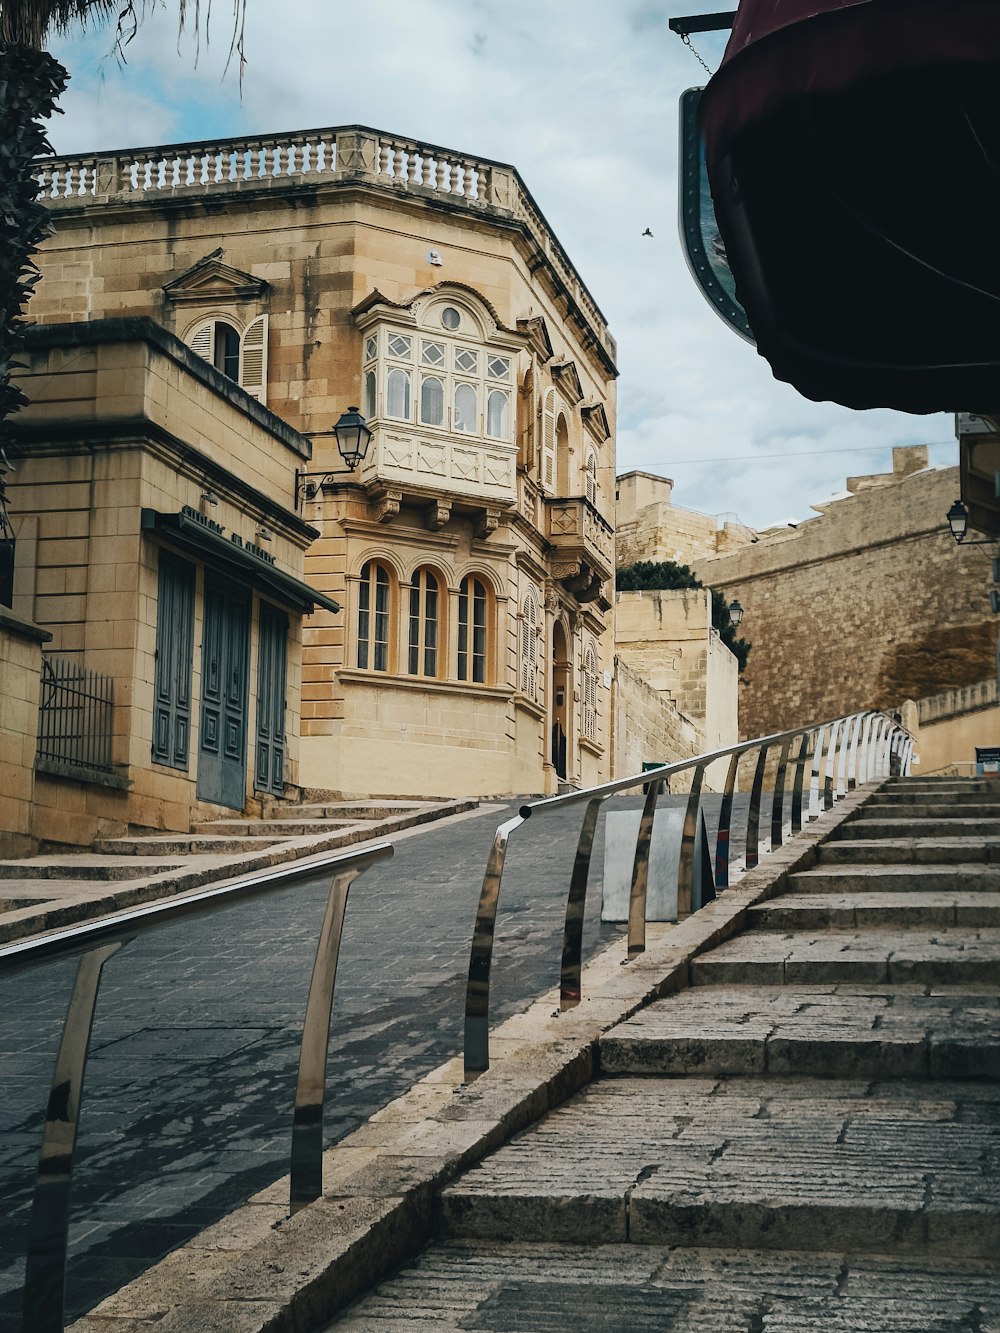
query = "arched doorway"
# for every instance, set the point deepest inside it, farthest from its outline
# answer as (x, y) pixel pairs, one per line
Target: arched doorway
(562, 692)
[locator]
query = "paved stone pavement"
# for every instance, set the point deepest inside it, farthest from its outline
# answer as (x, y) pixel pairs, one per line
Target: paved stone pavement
(807, 1137)
(188, 1102)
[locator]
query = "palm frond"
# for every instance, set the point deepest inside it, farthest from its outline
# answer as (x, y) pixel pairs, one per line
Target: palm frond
(30, 22)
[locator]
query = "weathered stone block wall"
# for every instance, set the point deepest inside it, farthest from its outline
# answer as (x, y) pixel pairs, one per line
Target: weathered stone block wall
(20, 671)
(868, 604)
(648, 727)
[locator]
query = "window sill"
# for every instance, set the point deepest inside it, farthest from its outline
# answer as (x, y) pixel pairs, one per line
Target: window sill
(527, 705)
(390, 680)
(592, 748)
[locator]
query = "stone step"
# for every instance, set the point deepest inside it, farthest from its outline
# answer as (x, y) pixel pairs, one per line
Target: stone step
(346, 810)
(875, 1032)
(935, 796)
(817, 911)
(85, 867)
(931, 957)
(271, 828)
(866, 828)
(180, 844)
(769, 1163)
(931, 783)
(545, 1287)
(910, 851)
(895, 879)
(926, 810)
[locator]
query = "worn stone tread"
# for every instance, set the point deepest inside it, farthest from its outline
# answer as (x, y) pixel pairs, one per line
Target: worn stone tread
(805, 911)
(895, 878)
(831, 1032)
(550, 1288)
(962, 850)
(768, 1163)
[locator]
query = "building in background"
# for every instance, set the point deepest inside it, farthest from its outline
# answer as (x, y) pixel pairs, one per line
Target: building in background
(457, 633)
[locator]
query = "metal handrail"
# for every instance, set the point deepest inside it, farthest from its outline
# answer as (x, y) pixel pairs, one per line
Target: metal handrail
(97, 942)
(842, 735)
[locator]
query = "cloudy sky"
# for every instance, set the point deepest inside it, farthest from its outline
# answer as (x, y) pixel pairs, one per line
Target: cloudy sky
(582, 99)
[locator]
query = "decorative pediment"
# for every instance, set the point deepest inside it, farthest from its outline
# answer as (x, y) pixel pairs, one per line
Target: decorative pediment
(566, 378)
(212, 281)
(596, 420)
(538, 337)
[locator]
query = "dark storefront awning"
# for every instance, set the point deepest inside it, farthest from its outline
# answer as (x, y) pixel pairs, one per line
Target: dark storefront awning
(853, 148)
(191, 532)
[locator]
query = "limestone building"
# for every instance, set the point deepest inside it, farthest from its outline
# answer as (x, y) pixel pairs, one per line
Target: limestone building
(459, 634)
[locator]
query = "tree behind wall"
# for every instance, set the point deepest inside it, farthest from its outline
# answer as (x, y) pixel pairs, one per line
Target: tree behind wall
(653, 575)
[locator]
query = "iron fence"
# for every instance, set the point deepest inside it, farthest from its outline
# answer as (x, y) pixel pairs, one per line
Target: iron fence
(74, 716)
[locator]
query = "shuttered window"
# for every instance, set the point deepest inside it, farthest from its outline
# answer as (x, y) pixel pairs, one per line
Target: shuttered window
(241, 357)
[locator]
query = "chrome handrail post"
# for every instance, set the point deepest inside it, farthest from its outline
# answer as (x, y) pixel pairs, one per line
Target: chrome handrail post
(753, 814)
(800, 768)
(815, 806)
(778, 803)
(477, 991)
(864, 746)
(570, 977)
(640, 872)
(725, 825)
(685, 864)
(840, 788)
(851, 753)
(48, 1229)
(876, 746)
(830, 765)
(310, 1088)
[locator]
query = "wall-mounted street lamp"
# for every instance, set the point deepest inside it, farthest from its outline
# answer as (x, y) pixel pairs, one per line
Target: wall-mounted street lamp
(958, 522)
(353, 437)
(735, 613)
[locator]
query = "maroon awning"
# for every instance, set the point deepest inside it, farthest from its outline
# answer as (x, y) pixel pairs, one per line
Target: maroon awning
(853, 149)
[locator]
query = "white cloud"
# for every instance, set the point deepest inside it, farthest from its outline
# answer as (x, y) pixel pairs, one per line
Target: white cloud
(583, 101)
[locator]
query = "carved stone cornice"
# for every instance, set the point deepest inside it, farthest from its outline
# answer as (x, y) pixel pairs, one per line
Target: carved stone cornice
(487, 522)
(438, 514)
(385, 504)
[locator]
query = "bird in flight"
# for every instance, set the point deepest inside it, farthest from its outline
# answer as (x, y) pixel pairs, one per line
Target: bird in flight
(647, 232)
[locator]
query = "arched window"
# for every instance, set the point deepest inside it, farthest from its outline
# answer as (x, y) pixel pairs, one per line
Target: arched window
(398, 395)
(590, 693)
(241, 357)
(590, 478)
(370, 398)
(373, 617)
(466, 415)
(424, 635)
(472, 630)
(498, 414)
(529, 645)
(431, 401)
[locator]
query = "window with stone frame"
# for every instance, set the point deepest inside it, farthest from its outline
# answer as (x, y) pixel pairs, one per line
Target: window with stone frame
(424, 624)
(374, 617)
(529, 645)
(474, 638)
(238, 352)
(589, 693)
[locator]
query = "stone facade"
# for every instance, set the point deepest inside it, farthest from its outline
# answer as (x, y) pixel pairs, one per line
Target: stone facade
(137, 466)
(649, 526)
(866, 605)
(21, 644)
(472, 550)
(649, 728)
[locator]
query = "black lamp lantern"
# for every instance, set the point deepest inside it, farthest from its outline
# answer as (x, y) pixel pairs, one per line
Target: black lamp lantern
(353, 437)
(735, 613)
(958, 520)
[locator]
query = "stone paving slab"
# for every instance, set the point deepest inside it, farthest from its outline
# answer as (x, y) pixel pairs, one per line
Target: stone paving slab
(911, 851)
(959, 955)
(756, 1163)
(816, 911)
(908, 878)
(826, 1031)
(550, 1288)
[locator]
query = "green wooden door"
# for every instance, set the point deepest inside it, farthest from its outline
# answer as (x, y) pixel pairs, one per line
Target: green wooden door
(174, 660)
(269, 772)
(225, 656)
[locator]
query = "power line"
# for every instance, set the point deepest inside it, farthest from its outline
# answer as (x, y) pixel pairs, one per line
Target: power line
(802, 453)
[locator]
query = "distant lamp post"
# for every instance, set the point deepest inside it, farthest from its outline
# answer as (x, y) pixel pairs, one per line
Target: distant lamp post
(735, 613)
(353, 437)
(958, 520)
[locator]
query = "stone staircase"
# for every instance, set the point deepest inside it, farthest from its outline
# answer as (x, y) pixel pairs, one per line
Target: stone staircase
(62, 887)
(807, 1137)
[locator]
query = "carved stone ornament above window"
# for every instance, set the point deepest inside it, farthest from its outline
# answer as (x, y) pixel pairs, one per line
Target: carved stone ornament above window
(566, 378)
(538, 337)
(211, 282)
(596, 420)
